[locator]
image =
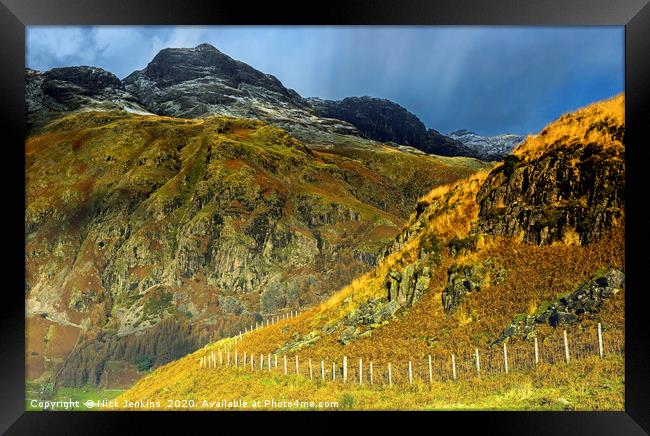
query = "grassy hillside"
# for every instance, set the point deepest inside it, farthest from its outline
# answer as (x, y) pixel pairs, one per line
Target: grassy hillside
(208, 223)
(496, 257)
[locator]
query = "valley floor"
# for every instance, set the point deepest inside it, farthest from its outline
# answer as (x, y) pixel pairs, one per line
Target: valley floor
(589, 384)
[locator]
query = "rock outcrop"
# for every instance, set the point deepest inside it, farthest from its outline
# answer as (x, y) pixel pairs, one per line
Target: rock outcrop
(567, 183)
(463, 279)
(73, 88)
(565, 191)
(587, 299)
(407, 286)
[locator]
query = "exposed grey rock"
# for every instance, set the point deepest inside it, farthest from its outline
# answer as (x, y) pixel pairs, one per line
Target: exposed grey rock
(405, 287)
(73, 88)
(588, 298)
(488, 147)
(463, 279)
(193, 82)
(570, 189)
(297, 342)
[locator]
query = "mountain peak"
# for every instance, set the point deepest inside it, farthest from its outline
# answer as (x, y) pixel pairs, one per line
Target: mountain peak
(209, 81)
(205, 46)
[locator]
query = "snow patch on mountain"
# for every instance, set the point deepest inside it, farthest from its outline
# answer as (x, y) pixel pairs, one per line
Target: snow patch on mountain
(488, 147)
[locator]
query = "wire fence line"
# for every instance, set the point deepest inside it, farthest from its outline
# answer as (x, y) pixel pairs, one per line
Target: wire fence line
(507, 358)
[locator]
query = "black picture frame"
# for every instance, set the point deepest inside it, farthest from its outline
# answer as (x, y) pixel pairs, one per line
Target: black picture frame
(633, 14)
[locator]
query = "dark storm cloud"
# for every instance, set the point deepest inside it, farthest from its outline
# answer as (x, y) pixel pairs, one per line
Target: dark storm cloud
(487, 79)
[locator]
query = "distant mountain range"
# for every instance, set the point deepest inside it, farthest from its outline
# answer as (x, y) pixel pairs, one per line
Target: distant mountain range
(199, 81)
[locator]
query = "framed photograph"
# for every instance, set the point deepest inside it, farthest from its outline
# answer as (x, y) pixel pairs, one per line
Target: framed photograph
(376, 206)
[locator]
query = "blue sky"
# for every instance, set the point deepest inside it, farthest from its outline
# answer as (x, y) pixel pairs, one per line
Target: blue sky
(487, 79)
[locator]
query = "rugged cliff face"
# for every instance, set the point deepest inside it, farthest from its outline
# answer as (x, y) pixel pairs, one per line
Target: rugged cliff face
(131, 220)
(188, 82)
(71, 88)
(386, 121)
(378, 119)
(572, 189)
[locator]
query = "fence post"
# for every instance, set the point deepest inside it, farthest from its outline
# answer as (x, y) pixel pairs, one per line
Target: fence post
(505, 357)
(536, 352)
(297, 372)
(453, 366)
(345, 368)
(333, 371)
(322, 369)
(310, 373)
(566, 347)
(252, 362)
(410, 373)
(390, 376)
(244, 359)
(600, 341)
(220, 358)
(285, 364)
(371, 372)
(430, 371)
(360, 371)
(478, 363)
(276, 361)
(235, 358)
(201, 362)
(261, 361)
(228, 362)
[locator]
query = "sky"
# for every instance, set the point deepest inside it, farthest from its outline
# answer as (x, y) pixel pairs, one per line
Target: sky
(489, 80)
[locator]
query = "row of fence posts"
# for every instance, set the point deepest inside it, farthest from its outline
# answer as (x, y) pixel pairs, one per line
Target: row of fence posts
(269, 321)
(210, 361)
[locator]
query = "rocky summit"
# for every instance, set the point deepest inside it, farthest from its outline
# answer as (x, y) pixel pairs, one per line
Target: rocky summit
(192, 82)
(188, 82)
(73, 88)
